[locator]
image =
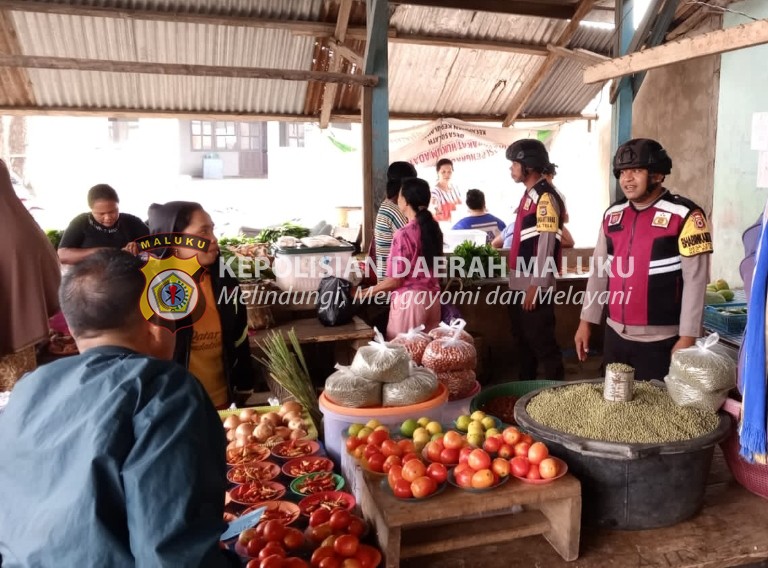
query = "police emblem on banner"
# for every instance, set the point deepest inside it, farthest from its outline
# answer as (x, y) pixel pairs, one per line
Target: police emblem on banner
(172, 296)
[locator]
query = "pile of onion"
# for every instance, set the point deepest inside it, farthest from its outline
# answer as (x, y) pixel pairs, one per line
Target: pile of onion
(249, 426)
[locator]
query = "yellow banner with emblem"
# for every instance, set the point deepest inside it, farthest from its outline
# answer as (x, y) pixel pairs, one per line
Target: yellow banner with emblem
(547, 218)
(695, 237)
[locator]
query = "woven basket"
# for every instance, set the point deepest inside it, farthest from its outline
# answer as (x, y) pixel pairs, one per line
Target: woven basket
(752, 476)
(14, 366)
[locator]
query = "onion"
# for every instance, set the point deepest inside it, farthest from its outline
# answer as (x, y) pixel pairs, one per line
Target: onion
(297, 424)
(247, 414)
(290, 406)
(244, 430)
(292, 415)
(232, 446)
(231, 421)
(283, 431)
(230, 435)
(273, 418)
(263, 431)
(298, 434)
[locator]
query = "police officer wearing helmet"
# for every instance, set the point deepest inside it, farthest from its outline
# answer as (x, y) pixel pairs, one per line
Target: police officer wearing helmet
(656, 245)
(534, 261)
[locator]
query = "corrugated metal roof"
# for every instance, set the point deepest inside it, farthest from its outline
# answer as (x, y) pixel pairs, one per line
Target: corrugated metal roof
(423, 79)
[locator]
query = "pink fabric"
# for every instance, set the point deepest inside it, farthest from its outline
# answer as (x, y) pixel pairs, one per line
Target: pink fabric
(412, 308)
(405, 261)
(59, 324)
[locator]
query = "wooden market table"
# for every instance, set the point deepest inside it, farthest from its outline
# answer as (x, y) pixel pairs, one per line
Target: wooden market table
(458, 519)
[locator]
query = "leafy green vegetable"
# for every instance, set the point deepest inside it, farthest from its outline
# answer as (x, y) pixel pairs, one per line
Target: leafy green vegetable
(55, 237)
(287, 229)
(488, 265)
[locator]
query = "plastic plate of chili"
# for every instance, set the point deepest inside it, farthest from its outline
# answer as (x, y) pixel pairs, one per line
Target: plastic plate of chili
(250, 493)
(295, 449)
(302, 466)
(259, 471)
(330, 500)
(316, 482)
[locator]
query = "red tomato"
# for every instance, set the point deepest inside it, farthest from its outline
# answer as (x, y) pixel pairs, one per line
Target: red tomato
(464, 454)
(423, 487)
(519, 466)
(352, 442)
(402, 489)
(356, 526)
(453, 440)
(500, 467)
(377, 437)
(254, 546)
(527, 439)
(548, 468)
(351, 563)
(463, 476)
(511, 436)
(293, 538)
(438, 472)
(449, 456)
(413, 469)
(274, 531)
(330, 562)
(533, 473)
(272, 549)
(537, 452)
(246, 535)
(395, 473)
(521, 449)
(389, 462)
(294, 562)
(408, 457)
(433, 450)
(376, 462)
(391, 448)
(320, 532)
(319, 516)
(368, 556)
(407, 446)
(346, 545)
(320, 553)
(479, 459)
(492, 444)
(371, 449)
(272, 561)
(482, 479)
(340, 519)
(253, 563)
(506, 451)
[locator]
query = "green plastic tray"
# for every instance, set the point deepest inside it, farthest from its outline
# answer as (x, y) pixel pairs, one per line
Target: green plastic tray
(512, 388)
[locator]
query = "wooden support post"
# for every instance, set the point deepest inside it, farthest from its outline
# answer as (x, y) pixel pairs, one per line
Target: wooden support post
(329, 95)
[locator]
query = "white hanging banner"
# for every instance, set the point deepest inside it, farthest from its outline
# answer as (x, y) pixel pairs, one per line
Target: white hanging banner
(459, 141)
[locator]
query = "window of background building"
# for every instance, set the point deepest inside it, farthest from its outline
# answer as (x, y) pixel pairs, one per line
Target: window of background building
(120, 130)
(292, 134)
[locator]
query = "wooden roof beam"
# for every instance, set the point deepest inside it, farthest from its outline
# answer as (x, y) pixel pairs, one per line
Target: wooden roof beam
(583, 56)
(111, 66)
(479, 44)
(710, 43)
(556, 9)
(529, 87)
(340, 33)
(346, 52)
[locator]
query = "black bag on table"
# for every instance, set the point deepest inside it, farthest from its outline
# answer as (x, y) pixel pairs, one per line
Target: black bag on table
(334, 306)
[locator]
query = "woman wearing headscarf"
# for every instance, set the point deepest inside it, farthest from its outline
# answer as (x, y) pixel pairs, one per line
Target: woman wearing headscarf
(415, 290)
(215, 349)
(29, 284)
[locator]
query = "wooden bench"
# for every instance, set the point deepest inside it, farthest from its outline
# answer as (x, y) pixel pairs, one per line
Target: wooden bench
(449, 521)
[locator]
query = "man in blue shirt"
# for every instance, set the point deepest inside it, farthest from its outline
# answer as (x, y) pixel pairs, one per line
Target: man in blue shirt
(114, 457)
(479, 218)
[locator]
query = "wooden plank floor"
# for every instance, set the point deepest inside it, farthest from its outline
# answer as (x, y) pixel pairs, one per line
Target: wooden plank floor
(731, 530)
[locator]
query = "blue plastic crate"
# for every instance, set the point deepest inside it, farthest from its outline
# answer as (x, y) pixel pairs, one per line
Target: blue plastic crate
(716, 318)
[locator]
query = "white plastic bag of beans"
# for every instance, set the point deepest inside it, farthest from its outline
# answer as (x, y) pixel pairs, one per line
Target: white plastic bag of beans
(418, 387)
(381, 362)
(414, 341)
(446, 330)
(705, 366)
(345, 388)
(450, 354)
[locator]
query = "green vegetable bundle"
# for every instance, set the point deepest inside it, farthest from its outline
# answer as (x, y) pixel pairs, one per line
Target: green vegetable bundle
(481, 268)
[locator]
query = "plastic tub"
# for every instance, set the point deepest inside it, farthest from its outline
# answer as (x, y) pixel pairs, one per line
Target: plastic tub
(338, 418)
(455, 408)
(300, 269)
(632, 486)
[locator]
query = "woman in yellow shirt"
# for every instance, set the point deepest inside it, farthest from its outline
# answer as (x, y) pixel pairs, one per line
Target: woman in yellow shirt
(215, 349)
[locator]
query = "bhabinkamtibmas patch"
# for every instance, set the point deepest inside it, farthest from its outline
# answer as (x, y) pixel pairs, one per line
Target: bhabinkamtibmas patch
(547, 219)
(695, 238)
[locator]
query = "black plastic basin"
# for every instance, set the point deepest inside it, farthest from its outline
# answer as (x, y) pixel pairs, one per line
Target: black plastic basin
(632, 486)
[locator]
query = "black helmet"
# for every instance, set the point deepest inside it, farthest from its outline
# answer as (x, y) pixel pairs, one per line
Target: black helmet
(642, 153)
(529, 152)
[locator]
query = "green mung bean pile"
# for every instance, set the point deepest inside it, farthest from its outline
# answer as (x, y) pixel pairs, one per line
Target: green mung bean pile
(651, 417)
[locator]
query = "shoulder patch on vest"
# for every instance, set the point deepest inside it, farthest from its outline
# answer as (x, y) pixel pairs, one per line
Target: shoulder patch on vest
(547, 219)
(695, 237)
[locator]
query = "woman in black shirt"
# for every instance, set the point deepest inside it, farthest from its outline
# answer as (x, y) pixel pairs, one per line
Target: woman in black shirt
(103, 227)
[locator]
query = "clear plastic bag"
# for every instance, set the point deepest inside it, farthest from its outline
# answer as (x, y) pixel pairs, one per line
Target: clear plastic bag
(381, 362)
(345, 388)
(445, 330)
(418, 387)
(414, 341)
(701, 376)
